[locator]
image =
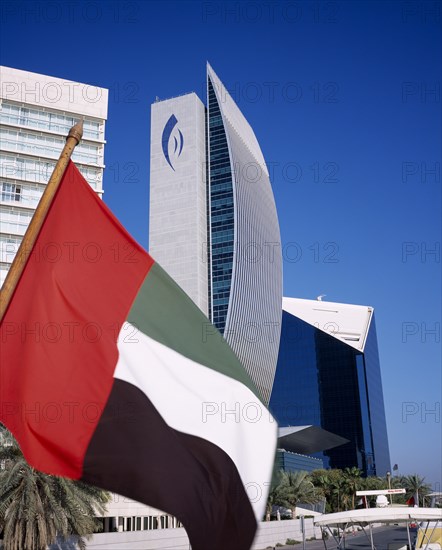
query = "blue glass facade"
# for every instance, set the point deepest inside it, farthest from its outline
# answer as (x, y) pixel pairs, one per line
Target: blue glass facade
(376, 400)
(221, 214)
(293, 462)
(321, 380)
(295, 397)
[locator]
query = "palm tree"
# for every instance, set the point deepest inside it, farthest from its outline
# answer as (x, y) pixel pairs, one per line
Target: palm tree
(338, 490)
(372, 483)
(331, 485)
(296, 487)
(352, 482)
(415, 484)
(36, 508)
(275, 498)
(322, 483)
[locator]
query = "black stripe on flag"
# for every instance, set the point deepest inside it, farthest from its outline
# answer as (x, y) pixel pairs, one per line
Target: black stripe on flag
(134, 453)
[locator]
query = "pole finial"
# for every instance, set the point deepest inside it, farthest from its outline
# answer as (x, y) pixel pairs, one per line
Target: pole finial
(76, 131)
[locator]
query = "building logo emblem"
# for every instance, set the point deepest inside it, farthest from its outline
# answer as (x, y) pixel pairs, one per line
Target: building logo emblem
(172, 138)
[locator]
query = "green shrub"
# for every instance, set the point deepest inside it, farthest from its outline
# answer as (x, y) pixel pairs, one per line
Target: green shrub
(292, 542)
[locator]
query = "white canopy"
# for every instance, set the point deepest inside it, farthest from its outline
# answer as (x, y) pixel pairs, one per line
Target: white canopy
(380, 515)
(307, 439)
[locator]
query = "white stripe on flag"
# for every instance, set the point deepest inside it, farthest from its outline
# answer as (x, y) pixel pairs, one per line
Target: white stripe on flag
(200, 401)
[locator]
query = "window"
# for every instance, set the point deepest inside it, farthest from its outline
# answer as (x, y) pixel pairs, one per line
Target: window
(47, 120)
(8, 248)
(24, 115)
(11, 192)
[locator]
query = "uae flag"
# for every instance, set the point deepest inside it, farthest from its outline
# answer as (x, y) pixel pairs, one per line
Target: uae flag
(110, 374)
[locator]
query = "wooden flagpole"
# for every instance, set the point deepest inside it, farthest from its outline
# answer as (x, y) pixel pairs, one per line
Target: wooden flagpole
(27, 244)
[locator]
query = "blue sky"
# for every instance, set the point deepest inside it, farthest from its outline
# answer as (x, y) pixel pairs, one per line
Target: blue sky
(344, 98)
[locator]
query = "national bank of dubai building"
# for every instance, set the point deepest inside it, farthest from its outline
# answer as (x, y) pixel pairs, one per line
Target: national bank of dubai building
(213, 222)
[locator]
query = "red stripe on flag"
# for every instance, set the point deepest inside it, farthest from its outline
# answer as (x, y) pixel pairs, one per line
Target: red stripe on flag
(58, 337)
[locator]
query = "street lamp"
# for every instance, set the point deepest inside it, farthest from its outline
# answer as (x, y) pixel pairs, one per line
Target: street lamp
(389, 485)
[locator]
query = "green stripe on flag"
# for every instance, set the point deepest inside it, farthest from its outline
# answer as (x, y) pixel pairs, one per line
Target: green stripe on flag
(163, 311)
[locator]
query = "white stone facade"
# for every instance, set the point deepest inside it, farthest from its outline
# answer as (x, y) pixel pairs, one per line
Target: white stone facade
(178, 210)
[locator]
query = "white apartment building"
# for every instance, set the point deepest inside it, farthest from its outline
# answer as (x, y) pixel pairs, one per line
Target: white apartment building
(36, 113)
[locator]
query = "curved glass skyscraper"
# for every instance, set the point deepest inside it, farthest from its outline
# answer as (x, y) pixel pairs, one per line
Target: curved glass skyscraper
(213, 222)
(246, 262)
